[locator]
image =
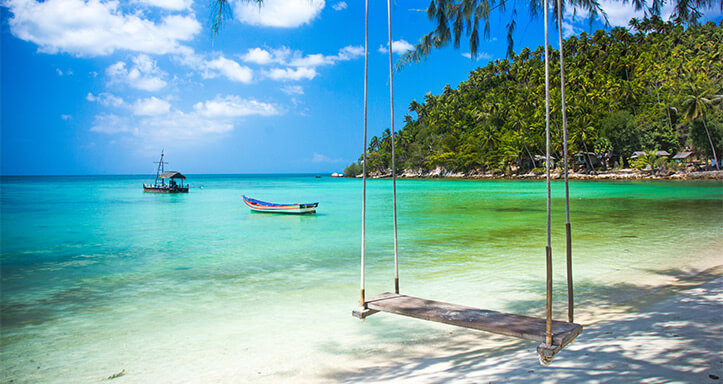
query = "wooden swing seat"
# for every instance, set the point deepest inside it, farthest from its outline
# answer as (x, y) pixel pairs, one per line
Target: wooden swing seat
(524, 327)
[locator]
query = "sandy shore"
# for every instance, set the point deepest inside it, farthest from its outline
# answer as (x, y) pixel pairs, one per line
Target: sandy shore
(617, 174)
(670, 334)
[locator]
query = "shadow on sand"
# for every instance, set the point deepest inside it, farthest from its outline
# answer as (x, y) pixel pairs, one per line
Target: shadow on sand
(673, 333)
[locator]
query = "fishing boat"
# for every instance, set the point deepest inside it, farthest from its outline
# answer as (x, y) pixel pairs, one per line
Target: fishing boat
(172, 186)
(263, 206)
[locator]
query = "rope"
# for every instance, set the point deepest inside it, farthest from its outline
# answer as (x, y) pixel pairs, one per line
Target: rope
(568, 235)
(364, 163)
(548, 249)
(394, 166)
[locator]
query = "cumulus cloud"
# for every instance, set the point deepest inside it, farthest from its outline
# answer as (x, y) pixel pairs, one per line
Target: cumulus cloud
(143, 74)
(291, 73)
(233, 106)
(568, 29)
(350, 52)
(110, 123)
(399, 47)
(95, 28)
(155, 121)
(228, 68)
(258, 56)
(340, 6)
(480, 55)
(171, 5)
(293, 90)
(278, 13)
(217, 67)
(151, 107)
(296, 65)
(314, 60)
(105, 99)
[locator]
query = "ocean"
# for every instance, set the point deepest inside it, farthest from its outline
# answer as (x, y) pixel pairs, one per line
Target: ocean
(99, 278)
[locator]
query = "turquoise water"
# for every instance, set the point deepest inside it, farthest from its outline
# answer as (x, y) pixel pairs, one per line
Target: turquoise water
(98, 276)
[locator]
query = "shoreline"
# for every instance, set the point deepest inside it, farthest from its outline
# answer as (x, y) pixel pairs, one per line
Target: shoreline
(624, 174)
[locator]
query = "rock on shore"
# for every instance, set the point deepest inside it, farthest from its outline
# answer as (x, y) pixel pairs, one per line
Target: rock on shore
(618, 174)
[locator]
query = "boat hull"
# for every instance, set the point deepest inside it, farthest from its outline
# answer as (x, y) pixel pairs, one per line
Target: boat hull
(153, 189)
(294, 209)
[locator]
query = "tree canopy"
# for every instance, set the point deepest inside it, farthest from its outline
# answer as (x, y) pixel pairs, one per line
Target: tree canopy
(452, 18)
(625, 92)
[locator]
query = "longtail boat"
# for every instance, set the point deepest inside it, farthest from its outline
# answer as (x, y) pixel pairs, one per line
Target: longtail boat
(160, 185)
(263, 206)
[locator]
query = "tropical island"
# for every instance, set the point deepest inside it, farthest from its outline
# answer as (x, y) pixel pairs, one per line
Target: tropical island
(648, 100)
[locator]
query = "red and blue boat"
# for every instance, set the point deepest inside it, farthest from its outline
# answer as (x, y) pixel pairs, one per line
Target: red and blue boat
(264, 206)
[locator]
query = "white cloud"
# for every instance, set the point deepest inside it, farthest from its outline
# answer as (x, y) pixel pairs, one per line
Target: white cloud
(278, 13)
(105, 99)
(95, 28)
(314, 60)
(399, 47)
(480, 55)
(144, 74)
(289, 64)
(258, 56)
(350, 52)
(340, 6)
(286, 56)
(174, 127)
(159, 124)
(151, 107)
(293, 90)
(112, 124)
(182, 126)
(291, 73)
(228, 68)
(233, 106)
(568, 30)
(66, 117)
(171, 5)
(319, 158)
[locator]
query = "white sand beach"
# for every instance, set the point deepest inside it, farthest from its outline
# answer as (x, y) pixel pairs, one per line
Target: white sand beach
(671, 335)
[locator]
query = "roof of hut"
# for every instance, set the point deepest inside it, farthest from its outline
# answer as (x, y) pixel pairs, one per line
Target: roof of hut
(172, 175)
(682, 155)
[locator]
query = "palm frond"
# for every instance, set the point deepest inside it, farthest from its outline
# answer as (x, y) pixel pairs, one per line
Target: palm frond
(221, 11)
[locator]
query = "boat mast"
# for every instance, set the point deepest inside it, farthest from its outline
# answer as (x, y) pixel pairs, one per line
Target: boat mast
(160, 169)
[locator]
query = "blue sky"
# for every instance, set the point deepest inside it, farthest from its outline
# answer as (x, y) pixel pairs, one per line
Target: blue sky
(100, 87)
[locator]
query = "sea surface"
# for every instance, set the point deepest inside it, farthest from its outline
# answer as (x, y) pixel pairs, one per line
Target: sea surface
(98, 278)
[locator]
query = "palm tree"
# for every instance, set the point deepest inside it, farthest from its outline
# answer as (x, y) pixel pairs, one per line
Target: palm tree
(222, 10)
(696, 105)
(452, 17)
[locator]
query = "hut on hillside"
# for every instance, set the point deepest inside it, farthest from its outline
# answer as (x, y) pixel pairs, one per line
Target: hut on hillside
(590, 161)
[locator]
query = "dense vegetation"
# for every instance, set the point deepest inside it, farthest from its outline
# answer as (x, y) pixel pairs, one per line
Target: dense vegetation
(655, 89)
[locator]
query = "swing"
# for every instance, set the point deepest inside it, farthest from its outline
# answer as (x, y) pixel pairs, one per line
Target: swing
(553, 335)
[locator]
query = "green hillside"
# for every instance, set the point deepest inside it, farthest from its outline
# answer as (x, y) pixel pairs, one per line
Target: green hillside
(657, 88)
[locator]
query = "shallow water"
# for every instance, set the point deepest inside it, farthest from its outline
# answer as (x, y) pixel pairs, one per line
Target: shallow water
(98, 276)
